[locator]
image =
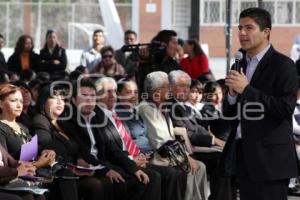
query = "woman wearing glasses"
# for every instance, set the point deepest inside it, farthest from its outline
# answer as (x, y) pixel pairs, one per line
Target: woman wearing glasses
(108, 66)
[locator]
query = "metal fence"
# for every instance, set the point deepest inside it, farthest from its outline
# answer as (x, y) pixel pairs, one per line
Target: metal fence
(36, 18)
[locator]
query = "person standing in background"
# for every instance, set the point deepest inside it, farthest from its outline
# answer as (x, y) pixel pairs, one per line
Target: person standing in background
(295, 51)
(126, 58)
(3, 65)
(53, 56)
(91, 57)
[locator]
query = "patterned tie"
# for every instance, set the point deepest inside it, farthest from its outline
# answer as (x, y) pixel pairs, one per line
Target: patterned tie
(132, 149)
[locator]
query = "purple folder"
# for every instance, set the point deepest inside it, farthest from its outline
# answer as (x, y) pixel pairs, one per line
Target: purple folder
(29, 150)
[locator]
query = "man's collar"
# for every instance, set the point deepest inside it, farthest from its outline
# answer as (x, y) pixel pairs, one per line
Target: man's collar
(179, 102)
(88, 117)
(93, 51)
(260, 55)
(106, 111)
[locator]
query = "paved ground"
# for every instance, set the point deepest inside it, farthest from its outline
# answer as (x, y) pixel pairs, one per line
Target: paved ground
(294, 198)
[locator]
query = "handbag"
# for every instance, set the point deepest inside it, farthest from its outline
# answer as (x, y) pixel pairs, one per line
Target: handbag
(175, 152)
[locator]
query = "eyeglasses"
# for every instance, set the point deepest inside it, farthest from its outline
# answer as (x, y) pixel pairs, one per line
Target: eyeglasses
(107, 56)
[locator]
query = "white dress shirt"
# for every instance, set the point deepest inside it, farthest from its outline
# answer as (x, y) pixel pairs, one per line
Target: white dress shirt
(1, 160)
(87, 119)
(90, 58)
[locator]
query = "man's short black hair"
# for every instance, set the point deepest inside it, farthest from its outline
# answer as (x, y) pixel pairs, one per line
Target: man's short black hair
(1, 36)
(85, 82)
(261, 16)
(130, 32)
(98, 31)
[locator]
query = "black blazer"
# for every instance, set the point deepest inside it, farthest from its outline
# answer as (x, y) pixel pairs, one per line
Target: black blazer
(109, 154)
(268, 147)
(49, 138)
(183, 117)
(14, 62)
(47, 64)
(11, 141)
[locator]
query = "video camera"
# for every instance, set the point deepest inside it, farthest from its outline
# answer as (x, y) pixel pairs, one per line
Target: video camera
(154, 48)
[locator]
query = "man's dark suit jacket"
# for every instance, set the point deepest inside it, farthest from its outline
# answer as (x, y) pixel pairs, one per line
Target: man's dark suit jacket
(110, 130)
(268, 148)
(182, 116)
(108, 153)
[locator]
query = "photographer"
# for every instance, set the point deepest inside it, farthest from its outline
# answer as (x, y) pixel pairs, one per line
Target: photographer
(159, 57)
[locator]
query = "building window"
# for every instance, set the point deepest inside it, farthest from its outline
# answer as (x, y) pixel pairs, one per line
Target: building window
(297, 13)
(212, 12)
(283, 12)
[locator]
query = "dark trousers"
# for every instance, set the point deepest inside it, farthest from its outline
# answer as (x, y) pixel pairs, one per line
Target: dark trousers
(7, 196)
(258, 190)
(63, 189)
(173, 182)
(95, 188)
(20, 196)
(211, 160)
(133, 189)
(221, 187)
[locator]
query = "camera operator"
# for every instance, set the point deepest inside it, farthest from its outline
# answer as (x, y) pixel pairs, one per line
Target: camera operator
(160, 56)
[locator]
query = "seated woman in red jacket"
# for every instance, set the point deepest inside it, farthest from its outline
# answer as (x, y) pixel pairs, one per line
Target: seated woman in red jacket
(197, 62)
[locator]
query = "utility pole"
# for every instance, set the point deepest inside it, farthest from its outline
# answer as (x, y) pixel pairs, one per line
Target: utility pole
(195, 20)
(228, 34)
(27, 17)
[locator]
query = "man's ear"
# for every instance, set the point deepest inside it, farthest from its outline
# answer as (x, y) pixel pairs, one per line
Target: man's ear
(267, 32)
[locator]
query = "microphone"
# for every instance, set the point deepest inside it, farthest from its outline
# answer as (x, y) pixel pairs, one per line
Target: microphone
(237, 60)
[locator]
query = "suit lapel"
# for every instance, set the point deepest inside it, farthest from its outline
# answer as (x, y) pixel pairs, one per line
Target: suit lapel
(84, 135)
(261, 65)
(110, 129)
(115, 134)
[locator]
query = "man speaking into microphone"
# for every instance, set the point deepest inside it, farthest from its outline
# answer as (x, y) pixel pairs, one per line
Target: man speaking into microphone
(260, 103)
